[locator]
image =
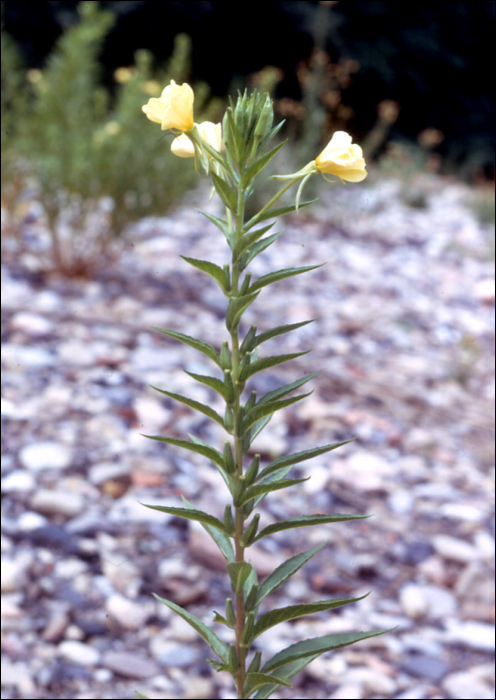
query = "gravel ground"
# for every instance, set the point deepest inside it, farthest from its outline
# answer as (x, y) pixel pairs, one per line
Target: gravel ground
(405, 339)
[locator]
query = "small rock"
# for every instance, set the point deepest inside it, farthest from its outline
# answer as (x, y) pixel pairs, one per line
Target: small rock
(464, 685)
(13, 573)
(127, 613)
(169, 653)
(104, 471)
(373, 680)
(18, 481)
(30, 323)
(454, 548)
(345, 692)
(197, 688)
(54, 502)
(78, 652)
(45, 455)
(476, 635)
(425, 667)
(430, 600)
(129, 664)
(485, 290)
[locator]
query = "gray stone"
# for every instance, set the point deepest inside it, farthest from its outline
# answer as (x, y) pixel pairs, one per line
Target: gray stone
(129, 664)
(54, 502)
(464, 685)
(45, 455)
(425, 667)
(78, 652)
(454, 548)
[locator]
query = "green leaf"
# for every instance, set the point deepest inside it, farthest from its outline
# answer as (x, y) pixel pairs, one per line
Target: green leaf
(251, 581)
(318, 645)
(214, 383)
(238, 573)
(281, 275)
(216, 644)
(279, 330)
(285, 571)
(196, 405)
(211, 269)
(262, 489)
(286, 671)
(220, 223)
(300, 190)
(271, 361)
(263, 409)
(261, 162)
(254, 681)
(291, 612)
(249, 239)
(225, 192)
(273, 213)
(298, 457)
(141, 696)
(270, 396)
(306, 521)
(204, 450)
(254, 431)
(190, 514)
(199, 345)
(257, 248)
(220, 538)
(236, 308)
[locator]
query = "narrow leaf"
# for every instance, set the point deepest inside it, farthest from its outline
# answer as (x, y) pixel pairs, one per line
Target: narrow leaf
(257, 248)
(285, 571)
(254, 681)
(216, 644)
(286, 671)
(206, 349)
(273, 213)
(262, 489)
(145, 697)
(318, 645)
(306, 521)
(281, 275)
(261, 162)
(211, 269)
(190, 514)
(249, 239)
(279, 330)
(238, 573)
(226, 193)
(214, 383)
(253, 432)
(271, 361)
(292, 612)
(204, 450)
(270, 396)
(220, 538)
(237, 306)
(298, 457)
(196, 405)
(220, 223)
(263, 409)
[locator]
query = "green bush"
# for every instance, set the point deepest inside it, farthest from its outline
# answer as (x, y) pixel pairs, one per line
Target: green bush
(78, 144)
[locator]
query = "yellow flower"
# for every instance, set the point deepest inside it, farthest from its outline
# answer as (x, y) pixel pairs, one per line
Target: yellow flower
(173, 109)
(182, 146)
(342, 158)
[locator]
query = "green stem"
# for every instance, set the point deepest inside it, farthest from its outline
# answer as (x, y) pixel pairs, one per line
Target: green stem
(238, 451)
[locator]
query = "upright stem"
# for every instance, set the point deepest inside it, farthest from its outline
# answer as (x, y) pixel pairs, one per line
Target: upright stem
(238, 451)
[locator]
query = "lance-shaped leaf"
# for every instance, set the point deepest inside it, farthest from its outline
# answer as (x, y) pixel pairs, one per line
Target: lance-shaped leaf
(276, 476)
(238, 572)
(236, 308)
(220, 223)
(318, 645)
(249, 239)
(145, 697)
(270, 396)
(204, 450)
(287, 671)
(251, 581)
(285, 571)
(279, 330)
(264, 409)
(306, 521)
(216, 644)
(273, 213)
(190, 514)
(266, 362)
(254, 431)
(253, 681)
(262, 489)
(216, 384)
(223, 470)
(298, 457)
(292, 612)
(261, 162)
(211, 269)
(279, 275)
(257, 248)
(199, 345)
(225, 192)
(196, 405)
(220, 538)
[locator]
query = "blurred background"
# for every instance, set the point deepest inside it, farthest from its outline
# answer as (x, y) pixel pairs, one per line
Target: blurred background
(95, 213)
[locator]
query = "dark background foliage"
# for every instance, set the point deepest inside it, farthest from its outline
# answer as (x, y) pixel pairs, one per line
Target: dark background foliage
(432, 58)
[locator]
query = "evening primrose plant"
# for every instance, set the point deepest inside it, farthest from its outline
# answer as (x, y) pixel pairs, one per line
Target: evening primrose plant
(233, 154)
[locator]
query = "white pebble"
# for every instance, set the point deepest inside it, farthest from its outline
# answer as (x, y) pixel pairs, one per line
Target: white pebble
(18, 481)
(454, 548)
(78, 652)
(45, 455)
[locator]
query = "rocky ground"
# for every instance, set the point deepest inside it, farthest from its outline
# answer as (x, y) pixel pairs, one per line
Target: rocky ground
(404, 336)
